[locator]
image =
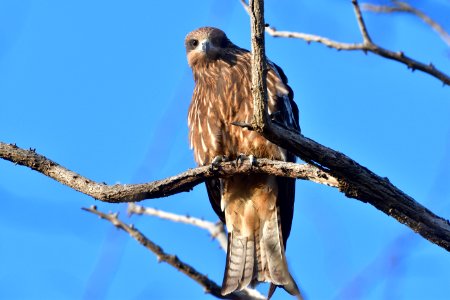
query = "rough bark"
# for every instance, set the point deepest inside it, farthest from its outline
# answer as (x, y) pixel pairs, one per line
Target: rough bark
(183, 182)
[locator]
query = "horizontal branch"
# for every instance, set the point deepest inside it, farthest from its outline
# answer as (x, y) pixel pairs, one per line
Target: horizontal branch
(209, 286)
(160, 188)
(366, 46)
(216, 230)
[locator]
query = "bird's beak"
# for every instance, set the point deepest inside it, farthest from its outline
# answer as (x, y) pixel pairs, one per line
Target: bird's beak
(205, 46)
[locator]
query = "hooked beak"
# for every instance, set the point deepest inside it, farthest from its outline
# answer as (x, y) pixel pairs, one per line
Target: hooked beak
(206, 46)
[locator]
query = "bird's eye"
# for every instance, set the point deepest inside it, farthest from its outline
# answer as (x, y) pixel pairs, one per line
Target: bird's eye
(194, 43)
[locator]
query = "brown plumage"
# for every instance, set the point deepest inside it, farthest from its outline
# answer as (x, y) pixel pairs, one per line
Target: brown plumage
(257, 208)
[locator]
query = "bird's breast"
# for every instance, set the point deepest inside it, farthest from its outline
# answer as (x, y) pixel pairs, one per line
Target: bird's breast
(222, 95)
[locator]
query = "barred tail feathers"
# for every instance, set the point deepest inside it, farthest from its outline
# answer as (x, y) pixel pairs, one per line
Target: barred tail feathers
(255, 243)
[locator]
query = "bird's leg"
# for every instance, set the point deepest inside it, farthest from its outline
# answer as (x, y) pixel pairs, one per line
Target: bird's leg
(217, 160)
(242, 157)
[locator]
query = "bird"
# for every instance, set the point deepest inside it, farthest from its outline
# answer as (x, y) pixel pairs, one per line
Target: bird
(256, 208)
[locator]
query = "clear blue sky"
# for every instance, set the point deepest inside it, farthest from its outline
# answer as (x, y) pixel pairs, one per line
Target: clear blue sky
(103, 87)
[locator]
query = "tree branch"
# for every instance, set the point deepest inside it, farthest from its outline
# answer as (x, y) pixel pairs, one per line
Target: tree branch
(183, 182)
(357, 181)
(216, 230)
(403, 7)
(209, 286)
(366, 46)
(362, 25)
(338, 170)
(259, 65)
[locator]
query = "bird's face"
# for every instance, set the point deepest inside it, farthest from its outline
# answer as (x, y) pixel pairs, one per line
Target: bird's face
(204, 45)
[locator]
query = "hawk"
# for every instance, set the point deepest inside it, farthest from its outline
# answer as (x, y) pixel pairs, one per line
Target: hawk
(258, 208)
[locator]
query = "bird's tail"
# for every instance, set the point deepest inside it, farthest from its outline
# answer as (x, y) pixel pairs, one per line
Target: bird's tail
(256, 252)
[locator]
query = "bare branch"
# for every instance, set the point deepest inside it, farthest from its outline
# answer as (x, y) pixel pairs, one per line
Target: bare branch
(217, 230)
(309, 38)
(362, 26)
(366, 46)
(259, 65)
(209, 286)
(183, 182)
(403, 7)
(359, 182)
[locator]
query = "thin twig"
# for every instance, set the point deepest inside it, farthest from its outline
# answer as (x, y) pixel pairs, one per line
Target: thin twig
(309, 38)
(361, 24)
(366, 46)
(217, 230)
(403, 7)
(209, 286)
(183, 182)
(245, 5)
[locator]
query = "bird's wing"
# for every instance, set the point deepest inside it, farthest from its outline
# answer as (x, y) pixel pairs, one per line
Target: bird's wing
(286, 114)
(287, 111)
(214, 195)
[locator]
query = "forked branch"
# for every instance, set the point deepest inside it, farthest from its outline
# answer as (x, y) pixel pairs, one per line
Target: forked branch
(209, 286)
(403, 7)
(367, 45)
(216, 230)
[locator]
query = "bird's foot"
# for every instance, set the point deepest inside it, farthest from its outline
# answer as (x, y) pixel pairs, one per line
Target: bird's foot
(242, 157)
(217, 160)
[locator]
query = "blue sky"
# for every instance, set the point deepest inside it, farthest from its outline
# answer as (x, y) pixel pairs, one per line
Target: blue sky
(103, 88)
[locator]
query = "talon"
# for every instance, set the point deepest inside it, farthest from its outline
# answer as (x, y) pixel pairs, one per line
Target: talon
(240, 159)
(253, 161)
(217, 160)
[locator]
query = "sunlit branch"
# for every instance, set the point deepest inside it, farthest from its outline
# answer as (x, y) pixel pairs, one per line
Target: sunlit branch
(403, 7)
(208, 285)
(366, 46)
(182, 182)
(216, 230)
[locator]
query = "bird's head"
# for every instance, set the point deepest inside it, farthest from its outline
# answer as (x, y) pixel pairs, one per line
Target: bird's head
(205, 44)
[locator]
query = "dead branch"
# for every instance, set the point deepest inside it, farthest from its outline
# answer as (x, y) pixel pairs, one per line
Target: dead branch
(216, 230)
(355, 180)
(366, 46)
(183, 182)
(209, 286)
(259, 72)
(403, 7)
(361, 24)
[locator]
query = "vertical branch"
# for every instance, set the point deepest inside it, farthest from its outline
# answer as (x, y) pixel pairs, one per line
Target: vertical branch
(259, 65)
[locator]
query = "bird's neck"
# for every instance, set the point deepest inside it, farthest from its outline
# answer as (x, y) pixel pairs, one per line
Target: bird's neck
(207, 72)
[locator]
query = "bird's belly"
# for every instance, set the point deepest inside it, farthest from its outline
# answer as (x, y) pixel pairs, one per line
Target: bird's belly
(239, 141)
